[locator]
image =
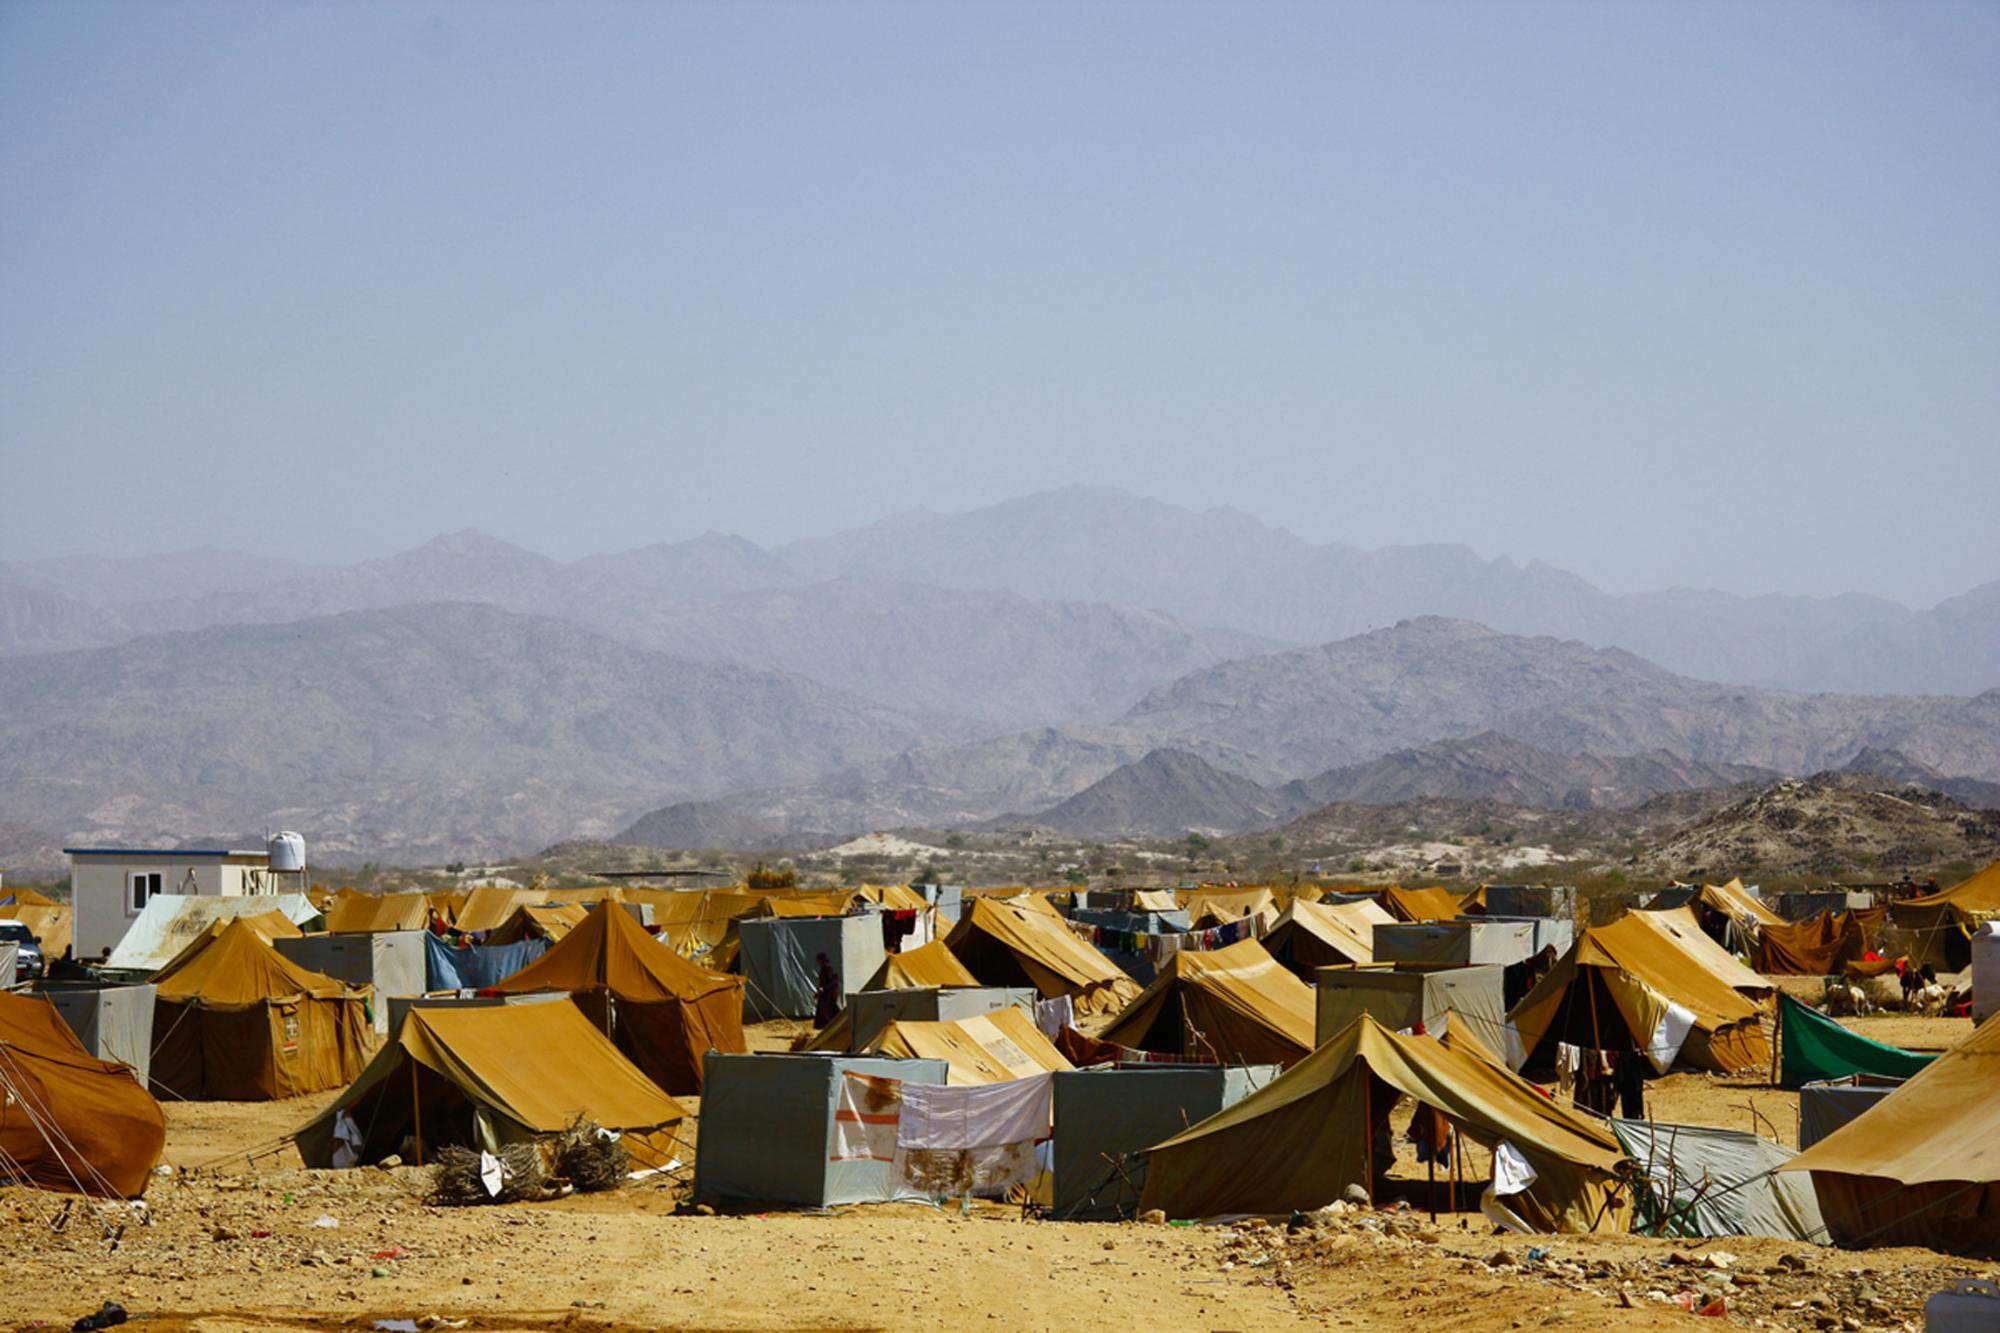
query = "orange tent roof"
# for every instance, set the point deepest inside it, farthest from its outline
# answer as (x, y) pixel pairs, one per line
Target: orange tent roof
(610, 951)
(233, 965)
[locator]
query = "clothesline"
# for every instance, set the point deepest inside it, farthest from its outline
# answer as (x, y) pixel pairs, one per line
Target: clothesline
(1160, 948)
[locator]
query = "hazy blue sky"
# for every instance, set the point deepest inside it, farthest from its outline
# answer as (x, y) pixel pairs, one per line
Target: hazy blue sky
(1669, 294)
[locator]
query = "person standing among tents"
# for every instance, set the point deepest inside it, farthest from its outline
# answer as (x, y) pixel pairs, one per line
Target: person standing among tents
(826, 1000)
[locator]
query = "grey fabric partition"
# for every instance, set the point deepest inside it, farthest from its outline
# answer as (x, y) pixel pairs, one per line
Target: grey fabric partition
(779, 959)
(398, 1006)
(112, 1022)
(394, 962)
(1719, 1182)
(1471, 995)
(1545, 900)
(869, 1011)
(1104, 1118)
(767, 1129)
(1826, 1105)
(1466, 942)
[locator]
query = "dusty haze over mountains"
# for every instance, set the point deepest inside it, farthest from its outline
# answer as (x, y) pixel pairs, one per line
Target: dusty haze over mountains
(1086, 659)
(450, 431)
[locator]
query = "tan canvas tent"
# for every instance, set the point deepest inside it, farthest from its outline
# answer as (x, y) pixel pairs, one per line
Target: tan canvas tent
(50, 925)
(1680, 929)
(486, 906)
(529, 922)
(662, 1011)
(235, 1020)
(1005, 945)
(69, 1121)
(352, 913)
(485, 1078)
(992, 1048)
(1921, 1166)
(1215, 907)
(1312, 935)
(1626, 987)
(1433, 904)
(1236, 1006)
(1299, 1141)
(1950, 916)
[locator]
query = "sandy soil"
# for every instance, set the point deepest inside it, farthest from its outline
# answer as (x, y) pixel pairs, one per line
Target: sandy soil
(227, 1241)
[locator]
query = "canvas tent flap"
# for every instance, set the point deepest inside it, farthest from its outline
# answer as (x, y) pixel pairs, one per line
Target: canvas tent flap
(1235, 1005)
(1005, 945)
(352, 913)
(72, 1122)
(1679, 927)
(1297, 1143)
(1818, 947)
(1813, 1046)
(530, 1069)
(992, 1048)
(1717, 1182)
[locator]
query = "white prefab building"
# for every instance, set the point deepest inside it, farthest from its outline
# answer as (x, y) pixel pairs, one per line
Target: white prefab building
(110, 886)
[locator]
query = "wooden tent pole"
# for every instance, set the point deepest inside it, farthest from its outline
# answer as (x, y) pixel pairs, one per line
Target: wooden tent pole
(1431, 1161)
(1457, 1154)
(1777, 1036)
(1367, 1134)
(416, 1113)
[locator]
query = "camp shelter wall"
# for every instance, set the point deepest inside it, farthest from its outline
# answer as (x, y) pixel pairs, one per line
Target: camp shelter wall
(994, 1047)
(402, 1006)
(1627, 987)
(767, 1130)
(487, 1077)
(780, 960)
(112, 1023)
(1465, 942)
(1922, 1166)
(1827, 1104)
(1297, 1143)
(869, 1011)
(391, 962)
(1470, 996)
(1005, 945)
(1105, 1118)
(662, 1011)
(71, 1121)
(1706, 1181)
(1234, 1005)
(353, 913)
(1542, 900)
(235, 1020)
(170, 922)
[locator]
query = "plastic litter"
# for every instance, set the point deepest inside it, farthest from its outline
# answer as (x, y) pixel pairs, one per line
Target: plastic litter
(326, 1221)
(109, 1315)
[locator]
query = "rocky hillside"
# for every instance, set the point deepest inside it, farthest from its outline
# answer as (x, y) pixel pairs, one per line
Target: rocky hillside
(437, 731)
(1821, 826)
(1164, 795)
(1492, 766)
(1347, 702)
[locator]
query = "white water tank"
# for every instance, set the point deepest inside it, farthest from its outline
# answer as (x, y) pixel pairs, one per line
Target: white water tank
(288, 852)
(1985, 972)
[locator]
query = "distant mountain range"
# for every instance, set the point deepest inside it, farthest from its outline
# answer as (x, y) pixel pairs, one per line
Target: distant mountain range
(1429, 709)
(1085, 659)
(1101, 581)
(422, 732)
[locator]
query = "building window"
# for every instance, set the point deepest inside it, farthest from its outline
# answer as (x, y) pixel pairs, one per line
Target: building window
(145, 884)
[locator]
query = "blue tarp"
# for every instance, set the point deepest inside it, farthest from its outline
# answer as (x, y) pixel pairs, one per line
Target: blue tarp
(449, 967)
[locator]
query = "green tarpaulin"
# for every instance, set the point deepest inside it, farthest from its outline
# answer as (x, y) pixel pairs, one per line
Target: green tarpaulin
(1815, 1047)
